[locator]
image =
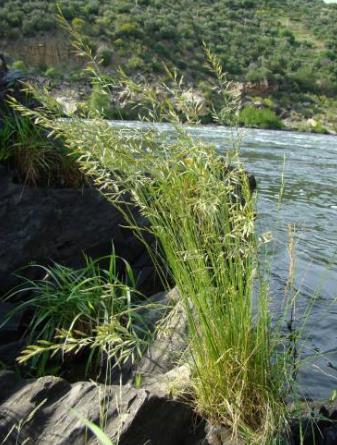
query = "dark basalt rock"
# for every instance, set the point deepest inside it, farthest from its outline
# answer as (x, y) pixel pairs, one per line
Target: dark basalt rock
(317, 426)
(46, 224)
(11, 85)
(39, 412)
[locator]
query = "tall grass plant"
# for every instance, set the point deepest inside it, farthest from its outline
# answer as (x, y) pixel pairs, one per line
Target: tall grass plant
(202, 212)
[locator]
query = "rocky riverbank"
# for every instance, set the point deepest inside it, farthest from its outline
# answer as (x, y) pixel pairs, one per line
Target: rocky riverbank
(151, 402)
(267, 106)
(143, 401)
(306, 114)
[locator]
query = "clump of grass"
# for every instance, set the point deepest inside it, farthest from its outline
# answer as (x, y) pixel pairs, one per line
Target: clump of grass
(24, 145)
(201, 211)
(36, 158)
(88, 309)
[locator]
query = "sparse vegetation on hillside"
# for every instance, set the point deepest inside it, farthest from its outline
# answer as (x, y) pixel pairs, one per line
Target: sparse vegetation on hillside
(277, 47)
(286, 46)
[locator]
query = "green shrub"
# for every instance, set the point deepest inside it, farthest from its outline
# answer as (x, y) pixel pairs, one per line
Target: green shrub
(286, 33)
(119, 42)
(161, 49)
(105, 56)
(135, 63)
(128, 29)
(78, 24)
(258, 74)
(259, 118)
(29, 26)
(92, 7)
(19, 65)
(52, 72)
(99, 102)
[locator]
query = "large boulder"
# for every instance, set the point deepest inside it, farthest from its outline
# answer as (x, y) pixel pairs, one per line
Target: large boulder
(11, 86)
(49, 224)
(170, 343)
(40, 412)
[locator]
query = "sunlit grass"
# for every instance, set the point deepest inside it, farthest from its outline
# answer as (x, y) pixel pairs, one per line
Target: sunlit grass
(90, 309)
(202, 212)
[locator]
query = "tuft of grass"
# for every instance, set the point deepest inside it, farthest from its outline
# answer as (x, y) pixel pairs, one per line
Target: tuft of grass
(202, 212)
(37, 158)
(27, 147)
(90, 309)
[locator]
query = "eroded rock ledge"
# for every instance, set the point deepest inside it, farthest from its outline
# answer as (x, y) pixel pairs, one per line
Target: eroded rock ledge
(39, 412)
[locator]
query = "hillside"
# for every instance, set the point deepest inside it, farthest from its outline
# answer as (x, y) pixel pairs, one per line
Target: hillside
(283, 50)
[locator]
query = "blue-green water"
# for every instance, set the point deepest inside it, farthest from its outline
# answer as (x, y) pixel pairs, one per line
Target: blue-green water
(309, 202)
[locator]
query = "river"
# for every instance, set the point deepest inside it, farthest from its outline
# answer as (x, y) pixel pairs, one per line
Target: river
(309, 166)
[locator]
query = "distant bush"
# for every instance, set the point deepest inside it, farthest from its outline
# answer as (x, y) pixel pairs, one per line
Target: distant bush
(52, 73)
(78, 23)
(99, 102)
(105, 56)
(128, 29)
(259, 118)
(19, 65)
(135, 63)
(258, 74)
(29, 26)
(286, 33)
(305, 78)
(119, 42)
(92, 7)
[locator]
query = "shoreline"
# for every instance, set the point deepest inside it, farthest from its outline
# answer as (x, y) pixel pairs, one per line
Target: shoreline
(217, 126)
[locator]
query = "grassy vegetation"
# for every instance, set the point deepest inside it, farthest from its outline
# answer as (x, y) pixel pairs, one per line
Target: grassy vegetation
(90, 312)
(287, 45)
(283, 46)
(259, 118)
(36, 159)
(202, 213)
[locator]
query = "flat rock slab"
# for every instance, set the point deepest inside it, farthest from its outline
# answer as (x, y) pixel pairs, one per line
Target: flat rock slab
(40, 412)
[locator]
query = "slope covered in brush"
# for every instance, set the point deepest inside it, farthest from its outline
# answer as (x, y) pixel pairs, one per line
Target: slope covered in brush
(282, 41)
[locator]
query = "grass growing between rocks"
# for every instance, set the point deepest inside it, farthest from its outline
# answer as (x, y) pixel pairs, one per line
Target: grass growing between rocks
(35, 158)
(90, 310)
(202, 213)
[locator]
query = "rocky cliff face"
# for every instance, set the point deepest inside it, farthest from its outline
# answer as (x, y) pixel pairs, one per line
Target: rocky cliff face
(48, 50)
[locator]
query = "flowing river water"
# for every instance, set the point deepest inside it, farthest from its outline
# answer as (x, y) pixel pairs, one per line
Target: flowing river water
(308, 164)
